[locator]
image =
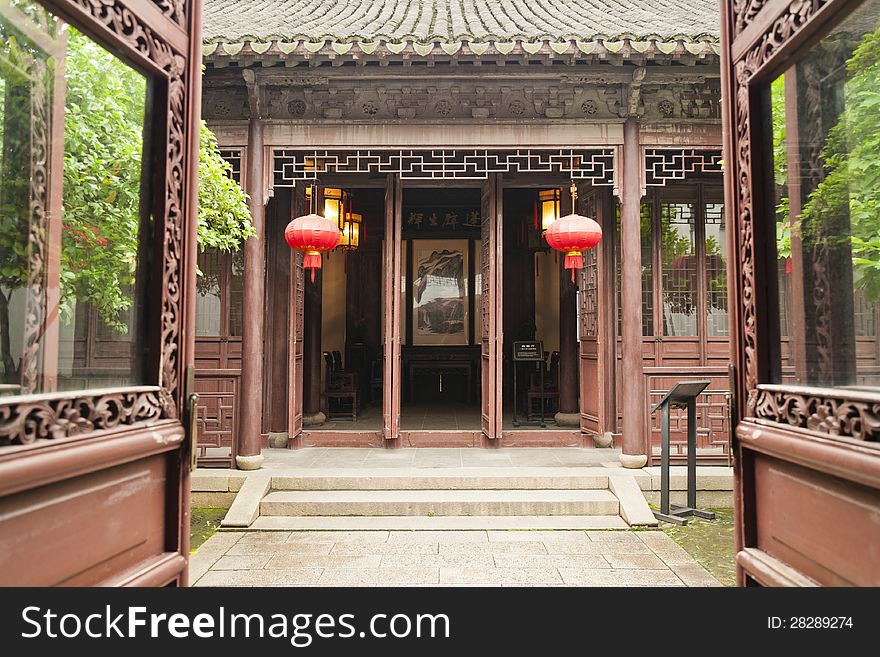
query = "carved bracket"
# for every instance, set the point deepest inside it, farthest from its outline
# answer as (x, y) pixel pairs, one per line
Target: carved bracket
(844, 415)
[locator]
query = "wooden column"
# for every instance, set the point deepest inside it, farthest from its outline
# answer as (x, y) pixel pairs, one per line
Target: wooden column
(569, 409)
(249, 456)
(312, 353)
(634, 404)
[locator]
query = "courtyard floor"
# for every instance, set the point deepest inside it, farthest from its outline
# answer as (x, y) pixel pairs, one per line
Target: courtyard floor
(446, 558)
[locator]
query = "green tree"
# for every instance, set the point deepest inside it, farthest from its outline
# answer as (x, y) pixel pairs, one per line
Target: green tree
(851, 157)
(106, 104)
(851, 162)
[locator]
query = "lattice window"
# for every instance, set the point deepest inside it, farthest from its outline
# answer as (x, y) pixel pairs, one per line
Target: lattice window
(716, 269)
(233, 157)
(678, 252)
(588, 296)
(595, 165)
(664, 164)
(647, 246)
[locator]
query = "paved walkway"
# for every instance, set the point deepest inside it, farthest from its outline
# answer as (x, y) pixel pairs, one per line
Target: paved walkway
(445, 558)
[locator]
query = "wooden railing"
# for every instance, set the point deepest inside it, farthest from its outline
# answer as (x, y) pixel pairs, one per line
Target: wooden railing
(218, 416)
(713, 419)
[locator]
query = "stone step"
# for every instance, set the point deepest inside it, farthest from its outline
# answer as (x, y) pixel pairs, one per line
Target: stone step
(435, 523)
(446, 479)
(440, 503)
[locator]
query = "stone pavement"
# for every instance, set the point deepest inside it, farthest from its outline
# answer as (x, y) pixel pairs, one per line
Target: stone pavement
(445, 558)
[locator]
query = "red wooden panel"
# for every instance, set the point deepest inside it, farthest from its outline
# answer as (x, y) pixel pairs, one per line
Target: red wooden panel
(713, 421)
(491, 311)
(823, 526)
(295, 352)
(218, 415)
(79, 531)
(394, 293)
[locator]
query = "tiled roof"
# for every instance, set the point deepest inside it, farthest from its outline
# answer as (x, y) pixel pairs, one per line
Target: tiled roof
(426, 26)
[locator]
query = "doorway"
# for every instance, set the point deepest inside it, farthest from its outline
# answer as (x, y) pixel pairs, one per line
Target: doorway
(439, 318)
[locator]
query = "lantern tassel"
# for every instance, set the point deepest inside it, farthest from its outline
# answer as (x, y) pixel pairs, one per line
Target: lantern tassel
(312, 261)
(574, 261)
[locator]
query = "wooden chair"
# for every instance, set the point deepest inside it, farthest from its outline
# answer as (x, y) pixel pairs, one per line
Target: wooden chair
(550, 391)
(342, 388)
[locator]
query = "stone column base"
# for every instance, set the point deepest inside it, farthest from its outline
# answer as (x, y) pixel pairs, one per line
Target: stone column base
(279, 439)
(254, 462)
(603, 440)
(314, 419)
(568, 419)
(633, 460)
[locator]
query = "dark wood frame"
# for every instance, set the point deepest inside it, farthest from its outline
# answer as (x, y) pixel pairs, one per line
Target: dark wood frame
(806, 463)
(60, 446)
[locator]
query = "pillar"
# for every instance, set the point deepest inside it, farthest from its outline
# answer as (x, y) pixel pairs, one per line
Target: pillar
(313, 359)
(633, 400)
(249, 456)
(569, 357)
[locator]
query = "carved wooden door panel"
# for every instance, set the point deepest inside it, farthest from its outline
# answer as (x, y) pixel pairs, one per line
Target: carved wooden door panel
(490, 313)
(802, 163)
(295, 353)
(95, 463)
(394, 291)
(590, 316)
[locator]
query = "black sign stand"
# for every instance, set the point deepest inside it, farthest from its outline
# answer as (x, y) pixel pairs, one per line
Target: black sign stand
(683, 395)
(528, 352)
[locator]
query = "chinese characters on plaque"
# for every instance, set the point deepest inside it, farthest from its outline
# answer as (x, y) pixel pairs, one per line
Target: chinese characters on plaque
(434, 219)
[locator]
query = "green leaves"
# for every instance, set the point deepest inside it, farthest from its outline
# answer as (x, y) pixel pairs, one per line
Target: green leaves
(224, 219)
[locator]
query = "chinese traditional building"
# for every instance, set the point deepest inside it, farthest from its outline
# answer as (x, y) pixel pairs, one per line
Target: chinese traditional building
(441, 138)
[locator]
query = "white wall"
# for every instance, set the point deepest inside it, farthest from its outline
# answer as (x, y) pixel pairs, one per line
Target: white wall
(547, 300)
(333, 303)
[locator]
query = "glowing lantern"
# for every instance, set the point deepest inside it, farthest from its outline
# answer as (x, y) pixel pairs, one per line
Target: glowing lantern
(549, 207)
(335, 206)
(351, 232)
(313, 235)
(573, 234)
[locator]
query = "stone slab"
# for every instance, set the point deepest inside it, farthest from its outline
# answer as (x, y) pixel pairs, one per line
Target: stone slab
(438, 523)
(633, 506)
(246, 507)
(438, 502)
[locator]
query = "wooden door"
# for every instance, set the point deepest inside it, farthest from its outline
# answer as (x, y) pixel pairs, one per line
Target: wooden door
(394, 291)
(295, 351)
(491, 337)
(595, 309)
(801, 167)
(95, 466)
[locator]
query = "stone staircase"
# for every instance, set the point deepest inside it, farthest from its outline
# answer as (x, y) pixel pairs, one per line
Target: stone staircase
(439, 499)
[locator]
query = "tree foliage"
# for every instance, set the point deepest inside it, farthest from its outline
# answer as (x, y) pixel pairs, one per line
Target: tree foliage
(850, 159)
(105, 199)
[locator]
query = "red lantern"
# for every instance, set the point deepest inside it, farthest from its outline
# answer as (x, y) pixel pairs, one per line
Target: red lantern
(312, 234)
(573, 234)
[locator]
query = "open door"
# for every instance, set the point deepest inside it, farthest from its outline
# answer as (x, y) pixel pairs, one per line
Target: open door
(295, 353)
(95, 460)
(491, 312)
(802, 172)
(596, 384)
(394, 291)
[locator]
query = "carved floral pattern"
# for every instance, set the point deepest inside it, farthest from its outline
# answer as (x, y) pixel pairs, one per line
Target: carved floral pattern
(65, 417)
(35, 307)
(836, 416)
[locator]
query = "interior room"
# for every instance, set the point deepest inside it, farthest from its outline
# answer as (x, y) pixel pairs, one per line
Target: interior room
(440, 320)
